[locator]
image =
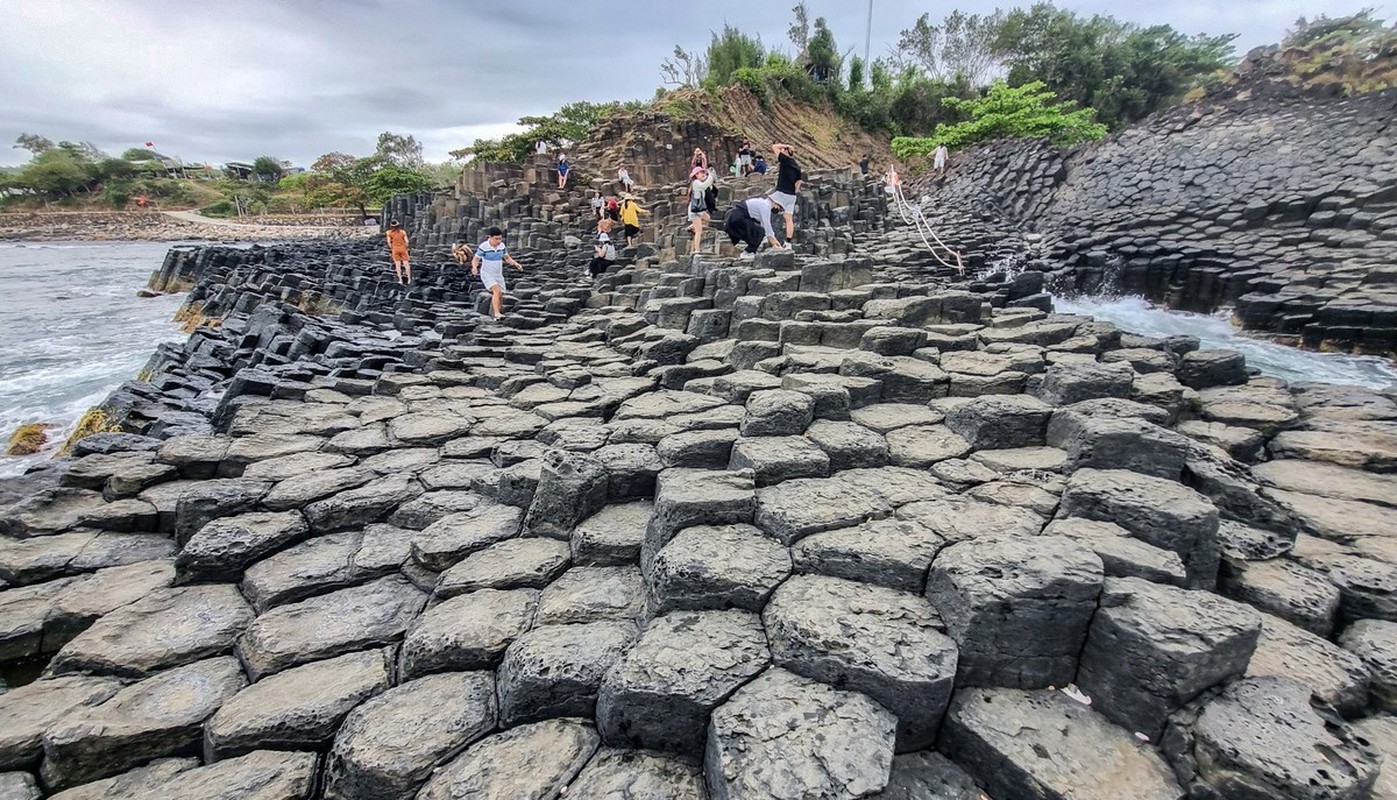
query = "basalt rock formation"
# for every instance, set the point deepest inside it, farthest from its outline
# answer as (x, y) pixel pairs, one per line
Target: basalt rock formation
(704, 528)
(1276, 202)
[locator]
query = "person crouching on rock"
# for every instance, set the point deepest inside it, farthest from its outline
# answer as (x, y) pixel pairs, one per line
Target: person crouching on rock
(461, 252)
(700, 181)
(490, 257)
(397, 248)
(563, 168)
(604, 251)
(750, 220)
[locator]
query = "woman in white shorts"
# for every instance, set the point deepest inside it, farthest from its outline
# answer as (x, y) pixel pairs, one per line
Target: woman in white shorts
(490, 257)
(700, 180)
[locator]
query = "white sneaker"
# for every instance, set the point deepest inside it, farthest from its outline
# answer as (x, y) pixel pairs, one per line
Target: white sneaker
(746, 256)
(786, 246)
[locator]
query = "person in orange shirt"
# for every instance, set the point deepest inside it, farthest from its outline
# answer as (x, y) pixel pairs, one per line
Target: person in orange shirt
(397, 247)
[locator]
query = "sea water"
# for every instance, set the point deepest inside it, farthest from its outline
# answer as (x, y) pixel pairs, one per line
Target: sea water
(72, 328)
(1137, 315)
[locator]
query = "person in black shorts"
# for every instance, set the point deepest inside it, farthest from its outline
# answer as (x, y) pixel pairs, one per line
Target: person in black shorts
(788, 181)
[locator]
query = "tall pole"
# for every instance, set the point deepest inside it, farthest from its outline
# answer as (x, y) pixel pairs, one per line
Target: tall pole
(868, 37)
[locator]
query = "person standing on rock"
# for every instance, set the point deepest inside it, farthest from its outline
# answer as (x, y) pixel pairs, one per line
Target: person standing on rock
(788, 181)
(490, 257)
(624, 176)
(460, 251)
(397, 249)
(630, 217)
(597, 204)
(563, 168)
(748, 221)
(939, 157)
(863, 164)
(613, 209)
(700, 181)
(744, 158)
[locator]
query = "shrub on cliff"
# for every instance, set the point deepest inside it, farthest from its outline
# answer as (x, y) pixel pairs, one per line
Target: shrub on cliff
(1008, 112)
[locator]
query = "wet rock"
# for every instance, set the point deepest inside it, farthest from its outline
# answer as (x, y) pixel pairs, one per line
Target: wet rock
(556, 670)
(86, 601)
(1367, 588)
(612, 536)
(512, 564)
(890, 552)
(592, 594)
(637, 775)
(263, 775)
(884, 643)
(1243, 444)
(1043, 744)
(1263, 737)
(469, 632)
(293, 493)
(26, 712)
(350, 619)
(659, 695)
(1337, 676)
(788, 738)
(1018, 609)
(323, 563)
(1375, 641)
(63, 509)
(1204, 368)
(529, 761)
(160, 716)
(1328, 480)
(224, 547)
(1153, 648)
(1160, 512)
(300, 708)
(1352, 446)
(290, 466)
(42, 558)
(166, 628)
(388, 746)
(209, 500)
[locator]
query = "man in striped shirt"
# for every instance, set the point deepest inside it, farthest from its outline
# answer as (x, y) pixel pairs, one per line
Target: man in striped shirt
(490, 257)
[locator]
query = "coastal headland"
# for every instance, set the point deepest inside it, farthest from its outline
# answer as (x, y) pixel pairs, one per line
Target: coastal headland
(831, 522)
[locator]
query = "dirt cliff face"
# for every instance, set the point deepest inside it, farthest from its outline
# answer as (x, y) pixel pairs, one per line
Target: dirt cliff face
(656, 144)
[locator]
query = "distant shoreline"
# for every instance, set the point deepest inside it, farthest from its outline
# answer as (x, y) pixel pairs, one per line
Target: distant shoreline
(51, 226)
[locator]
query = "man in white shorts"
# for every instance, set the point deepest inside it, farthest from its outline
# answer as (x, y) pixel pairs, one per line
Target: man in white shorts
(490, 257)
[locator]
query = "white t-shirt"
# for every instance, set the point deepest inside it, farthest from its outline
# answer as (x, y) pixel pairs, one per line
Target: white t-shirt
(608, 251)
(759, 208)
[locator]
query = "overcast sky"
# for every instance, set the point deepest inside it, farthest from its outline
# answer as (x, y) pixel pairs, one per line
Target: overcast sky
(217, 81)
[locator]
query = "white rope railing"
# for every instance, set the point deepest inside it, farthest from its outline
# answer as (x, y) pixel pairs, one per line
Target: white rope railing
(913, 215)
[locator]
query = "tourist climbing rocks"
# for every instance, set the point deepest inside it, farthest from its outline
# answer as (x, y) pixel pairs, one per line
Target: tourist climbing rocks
(624, 176)
(397, 249)
(700, 182)
(939, 158)
(744, 158)
(490, 257)
(604, 251)
(749, 221)
(563, 168)
(759, 163)
(630, 217)
(598, 204)
(863, 163)
(699, 160)
(613, 208)
(788, 181)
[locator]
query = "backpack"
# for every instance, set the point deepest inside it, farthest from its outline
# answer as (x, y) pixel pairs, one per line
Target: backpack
(710, 199)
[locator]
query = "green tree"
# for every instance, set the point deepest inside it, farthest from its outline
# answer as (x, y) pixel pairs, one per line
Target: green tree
(822, 55)
(138, 154)
(267, 168)
(731, 51)
(1121, 70)
(398, 150)
(961, 48)
(1359, 25)
(34, 143)
(1026, 111)
(54, 173)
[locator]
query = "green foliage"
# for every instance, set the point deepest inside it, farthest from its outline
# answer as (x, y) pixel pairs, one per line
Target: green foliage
(1361, 25)
(821, 54)
(960, 49)
(391, 179)
(267, 168)
(729, 52)
(398, 150)
(138, 154)
(218, 208)
(571, 123)
(33, 142)
(1353, 53)
(1123, 71)
(1026, 111)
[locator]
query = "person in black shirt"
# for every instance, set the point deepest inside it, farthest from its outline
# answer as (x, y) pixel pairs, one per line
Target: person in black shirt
(863, 163)
(744, 158)
(788, 181)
